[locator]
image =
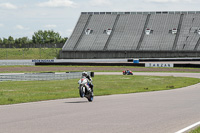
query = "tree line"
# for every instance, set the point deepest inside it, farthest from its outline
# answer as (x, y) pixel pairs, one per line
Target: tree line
(40, 38)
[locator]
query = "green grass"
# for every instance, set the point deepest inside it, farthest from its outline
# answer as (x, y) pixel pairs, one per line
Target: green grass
(31, 53)
(197, 130)
(12, 92)
(133, 84)
(112, 69)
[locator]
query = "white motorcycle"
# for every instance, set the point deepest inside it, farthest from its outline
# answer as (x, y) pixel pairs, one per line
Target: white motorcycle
(85, 90)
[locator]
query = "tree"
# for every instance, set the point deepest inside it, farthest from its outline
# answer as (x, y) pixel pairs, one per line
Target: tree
(18, 43)
(39, 37)
(11, 41)
(5, 42)
(46, 37)
(63, 40)
(1, 41)
(23, 42)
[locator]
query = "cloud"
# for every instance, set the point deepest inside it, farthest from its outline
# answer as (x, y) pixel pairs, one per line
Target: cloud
(69, 30)
(1, 25)
(50, 26)
(65, 33)
(168, 1)
(7, 6)
(57, 3)
(100, 2)
(20, 27)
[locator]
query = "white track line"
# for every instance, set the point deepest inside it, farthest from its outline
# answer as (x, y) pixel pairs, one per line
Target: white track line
(188, 128)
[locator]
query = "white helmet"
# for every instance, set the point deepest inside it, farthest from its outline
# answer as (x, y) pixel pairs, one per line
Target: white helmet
(84, 74)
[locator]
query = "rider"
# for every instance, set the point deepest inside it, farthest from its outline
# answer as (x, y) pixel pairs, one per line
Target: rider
(127, 71)
(85, 74)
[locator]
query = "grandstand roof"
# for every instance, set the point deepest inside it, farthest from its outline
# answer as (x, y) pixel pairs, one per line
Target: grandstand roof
(146, 12)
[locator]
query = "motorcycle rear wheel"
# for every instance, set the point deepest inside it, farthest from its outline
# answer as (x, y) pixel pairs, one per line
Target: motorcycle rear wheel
(90, 98)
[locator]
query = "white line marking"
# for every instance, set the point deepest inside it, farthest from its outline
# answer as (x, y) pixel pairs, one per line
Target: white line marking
(189, 127)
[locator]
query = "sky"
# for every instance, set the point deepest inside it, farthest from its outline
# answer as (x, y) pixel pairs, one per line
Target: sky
(21, 18)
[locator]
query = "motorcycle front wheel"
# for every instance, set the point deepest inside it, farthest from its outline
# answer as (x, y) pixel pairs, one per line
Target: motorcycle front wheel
(81, 92)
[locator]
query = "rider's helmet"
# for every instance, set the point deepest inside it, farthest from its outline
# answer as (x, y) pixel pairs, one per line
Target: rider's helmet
(84, 74)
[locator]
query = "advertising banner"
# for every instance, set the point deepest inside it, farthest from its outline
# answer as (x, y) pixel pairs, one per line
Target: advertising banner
(159, 65)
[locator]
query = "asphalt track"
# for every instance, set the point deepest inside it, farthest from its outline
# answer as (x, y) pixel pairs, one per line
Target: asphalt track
(151, 112)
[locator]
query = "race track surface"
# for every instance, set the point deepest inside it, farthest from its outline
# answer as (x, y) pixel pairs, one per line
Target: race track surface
(150, 112)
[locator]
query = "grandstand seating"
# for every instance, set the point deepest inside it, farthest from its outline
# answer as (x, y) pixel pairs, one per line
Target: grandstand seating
(88, 40)
(101, 36)
(161, 38)
(127, 32)
(71, 42)
(198, 48)
(188, 36)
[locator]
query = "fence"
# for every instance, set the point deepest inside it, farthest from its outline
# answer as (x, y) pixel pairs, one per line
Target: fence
(58, 45)
(40, 76)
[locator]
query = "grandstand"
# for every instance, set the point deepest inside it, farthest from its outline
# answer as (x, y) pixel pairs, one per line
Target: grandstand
(134, 35)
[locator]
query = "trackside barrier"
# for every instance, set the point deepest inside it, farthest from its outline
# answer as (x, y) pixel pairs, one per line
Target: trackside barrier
(17, 63)
(40, 76)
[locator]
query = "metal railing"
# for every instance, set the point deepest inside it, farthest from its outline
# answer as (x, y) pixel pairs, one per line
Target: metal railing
(40, 76)
(17, 63)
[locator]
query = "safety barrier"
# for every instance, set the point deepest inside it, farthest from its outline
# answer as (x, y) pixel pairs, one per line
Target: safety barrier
(40, 76)
(17, 63)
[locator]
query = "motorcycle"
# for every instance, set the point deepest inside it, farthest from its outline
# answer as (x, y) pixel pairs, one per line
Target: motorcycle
(85, 89)
(127, 72)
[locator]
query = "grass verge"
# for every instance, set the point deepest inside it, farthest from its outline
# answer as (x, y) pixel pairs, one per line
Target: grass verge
(28, 91)
(29, 53)
(64, 68)
(197, 130)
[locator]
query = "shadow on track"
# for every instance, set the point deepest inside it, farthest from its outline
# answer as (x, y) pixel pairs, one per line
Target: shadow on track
(78, 102)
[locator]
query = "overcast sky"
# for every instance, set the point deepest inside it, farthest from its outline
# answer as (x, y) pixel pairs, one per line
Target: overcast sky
(21, 18)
